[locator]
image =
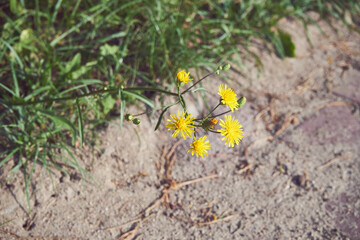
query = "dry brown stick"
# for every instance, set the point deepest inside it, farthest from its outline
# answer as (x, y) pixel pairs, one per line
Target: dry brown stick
(195, 180)
(129, 234)
(216, 221)
(154, 204)
(136, 220)
(170, 159)
(173, 148)
(273, 110)
(248, 167)
(339, 103)
(328, 163)
(286, 123)
(261, 114)
(11, 233)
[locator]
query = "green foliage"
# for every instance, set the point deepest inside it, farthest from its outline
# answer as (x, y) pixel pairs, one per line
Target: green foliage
(65, 65)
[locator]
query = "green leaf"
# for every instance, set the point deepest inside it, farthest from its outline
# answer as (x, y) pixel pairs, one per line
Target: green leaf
(79, 72)
(108, 103)
(60, 122)
(162, 114)
(73, 64)
(161, 117)
(15, 7)
(107, 49)
(115, 35)
(287, 44)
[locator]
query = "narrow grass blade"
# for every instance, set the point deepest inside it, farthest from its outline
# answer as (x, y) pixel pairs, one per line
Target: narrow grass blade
(9, 156)
(13, 52)
(81, 123)
(56, 10)
(16, 84)
(7, 89)
(122, 107)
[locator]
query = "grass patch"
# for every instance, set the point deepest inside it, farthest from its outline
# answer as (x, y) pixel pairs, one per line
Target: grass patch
(66, 66)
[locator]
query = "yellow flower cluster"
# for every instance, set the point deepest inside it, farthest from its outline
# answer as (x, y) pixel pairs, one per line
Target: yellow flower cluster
(231, 129)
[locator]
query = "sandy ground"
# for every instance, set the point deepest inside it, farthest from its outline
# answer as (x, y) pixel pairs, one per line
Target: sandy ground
(296, 174)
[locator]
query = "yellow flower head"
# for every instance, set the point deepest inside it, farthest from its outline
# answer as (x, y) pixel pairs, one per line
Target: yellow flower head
(181, 124)
(228, 97)
(182, 76)
(199, 146)
(232, 130)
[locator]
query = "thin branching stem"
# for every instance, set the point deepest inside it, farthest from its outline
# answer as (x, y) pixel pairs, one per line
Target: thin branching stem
(197, 82)
(98, 92)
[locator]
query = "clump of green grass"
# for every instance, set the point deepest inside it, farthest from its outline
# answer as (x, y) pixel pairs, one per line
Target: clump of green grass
(65, 66)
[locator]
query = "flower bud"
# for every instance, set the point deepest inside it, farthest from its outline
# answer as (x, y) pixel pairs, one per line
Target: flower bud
(136, 121)
(226, 67)
(220, 68)
(218, 72)
(242, 101)
(129, 117)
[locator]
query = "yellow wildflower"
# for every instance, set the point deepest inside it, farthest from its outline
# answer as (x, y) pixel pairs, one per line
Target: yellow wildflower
(199, 146)
(182, 76)
(232, 130)
(228, 97)
(181, 124)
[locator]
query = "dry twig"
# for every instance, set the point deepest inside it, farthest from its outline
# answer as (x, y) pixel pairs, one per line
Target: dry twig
(332, 104)
(332, 161)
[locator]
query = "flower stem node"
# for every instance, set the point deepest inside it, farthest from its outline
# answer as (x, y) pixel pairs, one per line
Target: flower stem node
(209, 124)
(129, 117)
(136, 121)
(242, 101)
(226, 67)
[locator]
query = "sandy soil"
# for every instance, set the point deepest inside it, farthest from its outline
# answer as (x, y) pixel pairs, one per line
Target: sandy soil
(296, 174)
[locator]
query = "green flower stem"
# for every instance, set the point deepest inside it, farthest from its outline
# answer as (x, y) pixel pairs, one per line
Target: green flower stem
(181, 99)
(213, 109)
(161, 108)
(213, 131)
(209, 113)
(198, 82)
(221, 114)
(98, 92)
